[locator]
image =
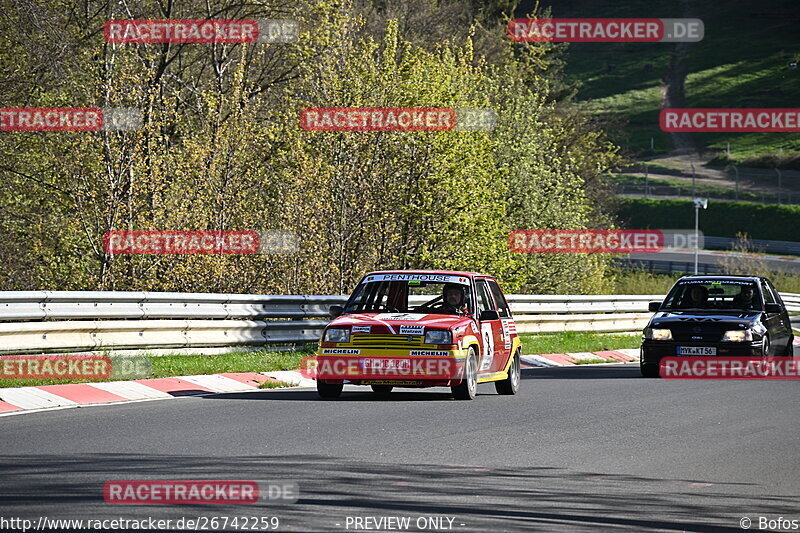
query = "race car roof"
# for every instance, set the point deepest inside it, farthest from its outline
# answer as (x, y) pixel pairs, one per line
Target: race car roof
(439, 272)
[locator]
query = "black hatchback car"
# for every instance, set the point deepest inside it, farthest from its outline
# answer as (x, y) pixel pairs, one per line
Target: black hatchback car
(717, 316)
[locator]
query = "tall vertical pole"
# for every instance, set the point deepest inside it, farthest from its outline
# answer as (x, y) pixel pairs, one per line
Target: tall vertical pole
(696, 235)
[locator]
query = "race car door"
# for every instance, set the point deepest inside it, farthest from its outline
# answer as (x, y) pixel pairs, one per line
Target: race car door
(494, 352)
(509, 328)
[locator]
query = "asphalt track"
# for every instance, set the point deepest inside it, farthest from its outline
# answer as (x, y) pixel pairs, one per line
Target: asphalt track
(705, 257)
(579, 449)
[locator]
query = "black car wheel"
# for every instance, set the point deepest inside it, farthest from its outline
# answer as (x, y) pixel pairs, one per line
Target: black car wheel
(789, 351)
(649, 371)
(765, 346)
(382, 389)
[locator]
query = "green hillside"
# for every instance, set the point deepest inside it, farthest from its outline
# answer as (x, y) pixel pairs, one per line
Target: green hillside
(743, 61)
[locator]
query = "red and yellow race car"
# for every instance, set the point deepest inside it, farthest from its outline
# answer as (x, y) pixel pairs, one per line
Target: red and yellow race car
(421, 329)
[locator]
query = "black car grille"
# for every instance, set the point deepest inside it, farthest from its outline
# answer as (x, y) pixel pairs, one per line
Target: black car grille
(699, 331)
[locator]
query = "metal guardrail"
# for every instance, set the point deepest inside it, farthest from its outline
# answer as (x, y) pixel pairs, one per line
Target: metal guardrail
(45, 321)
(657, 266)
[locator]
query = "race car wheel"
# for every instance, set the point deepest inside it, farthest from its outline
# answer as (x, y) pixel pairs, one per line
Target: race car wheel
(469, 381)
(329, 390)
(510, 385)
(382, 389)
(765, 347)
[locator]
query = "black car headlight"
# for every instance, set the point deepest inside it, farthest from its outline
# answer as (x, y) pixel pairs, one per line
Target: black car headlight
(737, 335)
(656, 334)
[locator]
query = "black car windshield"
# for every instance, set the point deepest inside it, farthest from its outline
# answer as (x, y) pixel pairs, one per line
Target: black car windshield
(714, 294)
(412, 293)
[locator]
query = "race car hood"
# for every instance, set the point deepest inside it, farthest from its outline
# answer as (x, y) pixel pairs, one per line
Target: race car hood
(730, 318)
(391, 322)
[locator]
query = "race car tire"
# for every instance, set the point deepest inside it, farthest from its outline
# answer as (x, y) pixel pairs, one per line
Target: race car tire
(765, 346)
(382, 389)
(469, 381)
(510, 385)
(329, 390)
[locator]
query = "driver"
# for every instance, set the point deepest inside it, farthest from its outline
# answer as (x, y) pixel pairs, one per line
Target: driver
(453, 298)
(745, 297)
(698, 296)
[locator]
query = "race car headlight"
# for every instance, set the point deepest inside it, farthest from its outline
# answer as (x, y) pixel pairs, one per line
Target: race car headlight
(737, 335)
(654, 334)
(438, 337)
(337, 335)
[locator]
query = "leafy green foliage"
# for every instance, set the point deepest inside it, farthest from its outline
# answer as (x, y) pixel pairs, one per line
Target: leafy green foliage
(220, 149)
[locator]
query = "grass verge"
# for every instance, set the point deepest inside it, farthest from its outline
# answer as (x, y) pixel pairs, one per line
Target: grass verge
(577, 341)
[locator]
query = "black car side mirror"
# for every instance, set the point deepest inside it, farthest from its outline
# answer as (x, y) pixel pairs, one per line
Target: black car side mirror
(773, 308)
(489, 314)
(335, 311)
(653, 306)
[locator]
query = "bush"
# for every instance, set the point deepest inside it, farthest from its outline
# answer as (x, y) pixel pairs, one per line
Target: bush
(722, 219)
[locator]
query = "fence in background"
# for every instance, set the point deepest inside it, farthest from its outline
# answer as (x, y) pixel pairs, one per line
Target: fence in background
(44, 321)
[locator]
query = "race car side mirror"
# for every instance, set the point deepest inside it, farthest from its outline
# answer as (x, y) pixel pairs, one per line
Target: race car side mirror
(335, 311)
(489, 314)
(653, 306)
(773, 308)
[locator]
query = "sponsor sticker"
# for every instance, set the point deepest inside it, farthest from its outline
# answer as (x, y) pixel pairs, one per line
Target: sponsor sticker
(435, 278)
(433, 353)
(361, 329)
(400, 316)
(412, 330)
(340, 351)
(506, 333)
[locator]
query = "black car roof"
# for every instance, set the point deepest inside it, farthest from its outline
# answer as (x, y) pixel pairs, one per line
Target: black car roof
(721, 276)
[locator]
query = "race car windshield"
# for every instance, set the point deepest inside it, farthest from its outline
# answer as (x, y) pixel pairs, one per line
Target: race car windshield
(714, 294)
(446, 296)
